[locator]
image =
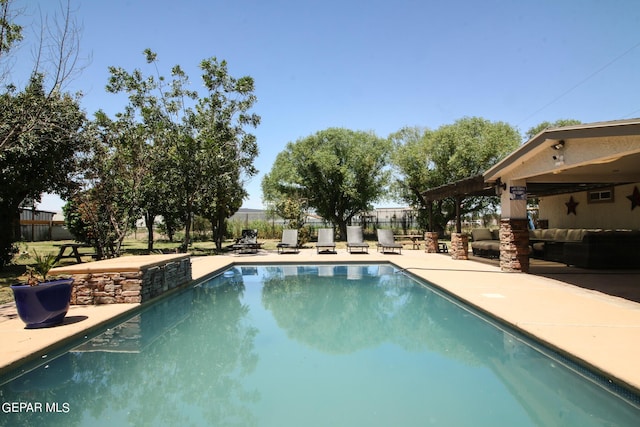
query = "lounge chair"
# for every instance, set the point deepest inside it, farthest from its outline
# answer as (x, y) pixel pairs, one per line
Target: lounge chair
(386, 241)
(355, 240)
(248, 242)
(289, 241)
(325, 240)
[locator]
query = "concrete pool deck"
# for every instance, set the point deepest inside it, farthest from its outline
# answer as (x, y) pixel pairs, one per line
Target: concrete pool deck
(557, 305)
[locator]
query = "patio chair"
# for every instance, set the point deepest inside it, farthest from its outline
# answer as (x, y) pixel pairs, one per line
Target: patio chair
(326, 242)
(248, 242)
(289, 241)
(355, 240)
(386, 241)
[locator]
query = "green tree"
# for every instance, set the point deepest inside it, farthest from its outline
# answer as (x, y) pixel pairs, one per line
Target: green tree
(546, 124)
(229, 150)
(40, 138)
(174, 153)
(57, 62)
(46, 158)
(338, 172)
(89, 220)
(410, 158)
(463, 149)
(10, 32)
(159, 113)
(116, 177)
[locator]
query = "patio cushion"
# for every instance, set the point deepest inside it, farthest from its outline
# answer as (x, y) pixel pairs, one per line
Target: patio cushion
(479, 234)
(560, 235)
(575, 234)
(548, 234)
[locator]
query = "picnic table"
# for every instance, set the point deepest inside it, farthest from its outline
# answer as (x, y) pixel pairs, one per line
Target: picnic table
(413, 237)
(74, 253)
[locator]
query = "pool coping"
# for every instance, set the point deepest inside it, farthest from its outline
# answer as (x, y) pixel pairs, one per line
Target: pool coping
(596, 330)
(122, 264)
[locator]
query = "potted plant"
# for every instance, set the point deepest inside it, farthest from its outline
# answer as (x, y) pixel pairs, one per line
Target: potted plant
(42, 303)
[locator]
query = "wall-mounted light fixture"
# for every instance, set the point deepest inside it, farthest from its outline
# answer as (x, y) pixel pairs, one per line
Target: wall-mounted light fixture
(500, 187)
(558, 145)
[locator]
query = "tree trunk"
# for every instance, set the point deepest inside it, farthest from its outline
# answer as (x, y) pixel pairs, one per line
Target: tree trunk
(342, 229)
(149, 219)
(9, 232)
(219, 230)
(187, 234)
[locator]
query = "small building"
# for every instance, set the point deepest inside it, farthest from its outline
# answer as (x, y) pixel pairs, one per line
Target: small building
(37, 225)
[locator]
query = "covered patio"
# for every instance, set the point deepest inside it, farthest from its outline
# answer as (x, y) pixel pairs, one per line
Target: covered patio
(594, 166)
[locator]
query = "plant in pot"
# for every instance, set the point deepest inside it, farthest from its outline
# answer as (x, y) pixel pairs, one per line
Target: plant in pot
(42, 303)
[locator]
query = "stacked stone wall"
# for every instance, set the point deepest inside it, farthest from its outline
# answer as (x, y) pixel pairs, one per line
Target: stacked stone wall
(459, 246)
(431, 242)
(129, 287)
(514, 245)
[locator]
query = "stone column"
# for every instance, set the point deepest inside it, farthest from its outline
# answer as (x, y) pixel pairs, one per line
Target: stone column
(459, 246)
(514, 245)
(514, 230)
(431, 242)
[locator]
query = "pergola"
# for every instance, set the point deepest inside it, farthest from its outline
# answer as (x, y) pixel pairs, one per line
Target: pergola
(558, 160)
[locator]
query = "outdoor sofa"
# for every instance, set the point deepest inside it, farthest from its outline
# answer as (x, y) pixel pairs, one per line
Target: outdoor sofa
(605, 249)
(585, 248)
(485, 242)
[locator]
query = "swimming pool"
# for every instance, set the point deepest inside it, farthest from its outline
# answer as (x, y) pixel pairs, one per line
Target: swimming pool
(311, 345)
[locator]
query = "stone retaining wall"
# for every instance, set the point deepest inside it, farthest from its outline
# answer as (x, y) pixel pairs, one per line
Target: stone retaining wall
(129, 286)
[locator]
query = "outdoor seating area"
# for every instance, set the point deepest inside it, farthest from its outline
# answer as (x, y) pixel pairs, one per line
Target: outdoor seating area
(585, 248)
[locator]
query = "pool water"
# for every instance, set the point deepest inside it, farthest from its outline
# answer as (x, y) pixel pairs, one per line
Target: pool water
(356, 345)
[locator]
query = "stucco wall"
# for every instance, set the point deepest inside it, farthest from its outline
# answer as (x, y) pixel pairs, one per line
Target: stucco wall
(616, 215)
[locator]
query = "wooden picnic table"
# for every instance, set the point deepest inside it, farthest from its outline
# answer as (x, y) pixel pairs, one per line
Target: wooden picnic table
(413, 237)
(74, 251)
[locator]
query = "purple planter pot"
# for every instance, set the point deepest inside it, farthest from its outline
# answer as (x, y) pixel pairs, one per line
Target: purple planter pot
(45, 304)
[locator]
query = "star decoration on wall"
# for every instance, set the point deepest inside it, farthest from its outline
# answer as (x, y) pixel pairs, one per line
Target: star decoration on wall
(635, 198)
(571, 206)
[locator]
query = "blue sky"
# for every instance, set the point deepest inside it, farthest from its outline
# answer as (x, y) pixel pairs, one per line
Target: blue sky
(377, 65)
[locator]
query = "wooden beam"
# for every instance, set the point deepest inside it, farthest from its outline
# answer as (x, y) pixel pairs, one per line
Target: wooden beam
(471, 186)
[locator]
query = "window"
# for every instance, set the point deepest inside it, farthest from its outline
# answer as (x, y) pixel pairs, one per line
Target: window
(603, 195)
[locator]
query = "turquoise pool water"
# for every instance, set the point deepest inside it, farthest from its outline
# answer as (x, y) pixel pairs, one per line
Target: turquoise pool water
(357, 345)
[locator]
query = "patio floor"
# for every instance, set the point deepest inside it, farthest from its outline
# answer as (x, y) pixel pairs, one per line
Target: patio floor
(593, 316)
